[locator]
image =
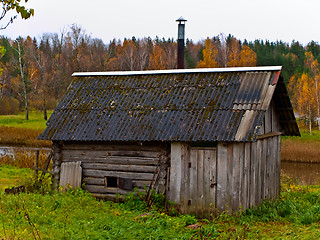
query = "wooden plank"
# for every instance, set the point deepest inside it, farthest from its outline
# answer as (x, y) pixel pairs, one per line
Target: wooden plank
(212, 159)
(245, 125)
(269, 94)
(267, 121)
(222, 171)
(273, 176)
(246, 178)
(113, 160)
(200, 183)
(206, 182)
(269, 162)
(241, 176)
(263, 168)
(185, 177)
(71, 174)
(118, 167)
(86, 153)
(253, 174)
(235, 185)
(278, 168)
(229, 189)
(258, 172)
(267, 135)
(130, 175)
(193, 181)
(175, 172)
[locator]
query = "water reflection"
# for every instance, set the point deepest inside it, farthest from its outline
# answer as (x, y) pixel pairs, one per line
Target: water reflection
(307, 173)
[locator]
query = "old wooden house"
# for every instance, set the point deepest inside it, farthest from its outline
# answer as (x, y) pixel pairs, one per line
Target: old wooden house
(210, 138)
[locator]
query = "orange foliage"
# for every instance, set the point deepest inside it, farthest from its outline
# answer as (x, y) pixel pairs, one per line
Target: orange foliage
(157, 58)
(209, 56)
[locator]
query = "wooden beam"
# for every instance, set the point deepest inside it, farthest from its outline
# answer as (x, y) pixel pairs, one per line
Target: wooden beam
(267, 135)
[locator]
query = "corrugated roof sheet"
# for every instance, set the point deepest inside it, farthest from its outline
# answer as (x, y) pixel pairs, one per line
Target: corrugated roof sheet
(166, 106)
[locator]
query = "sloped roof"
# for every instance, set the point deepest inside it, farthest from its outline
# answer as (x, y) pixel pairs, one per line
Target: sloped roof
(169, 105)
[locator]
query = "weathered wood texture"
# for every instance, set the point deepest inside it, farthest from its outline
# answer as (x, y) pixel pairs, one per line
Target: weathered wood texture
(193, 179)
(247, 173)
(134, 161)
(271, 122)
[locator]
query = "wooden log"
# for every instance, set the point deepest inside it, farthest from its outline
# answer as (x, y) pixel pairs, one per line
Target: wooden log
(113, 160)
(106, 190)
(154, 147)
(108, 197)
(129, 175)
(95, 153)
(118, 167)
(94, 181)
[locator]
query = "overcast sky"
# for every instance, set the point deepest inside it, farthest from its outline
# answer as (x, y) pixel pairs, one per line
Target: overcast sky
(273, 20)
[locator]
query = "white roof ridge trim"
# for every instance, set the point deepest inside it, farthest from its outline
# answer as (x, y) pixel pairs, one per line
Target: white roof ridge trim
(194, 70)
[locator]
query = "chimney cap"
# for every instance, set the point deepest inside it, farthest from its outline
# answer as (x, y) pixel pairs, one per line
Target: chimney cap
(181, 20)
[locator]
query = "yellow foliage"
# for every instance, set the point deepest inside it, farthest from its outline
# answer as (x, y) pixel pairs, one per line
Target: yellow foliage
(157, 58)
(209, 56)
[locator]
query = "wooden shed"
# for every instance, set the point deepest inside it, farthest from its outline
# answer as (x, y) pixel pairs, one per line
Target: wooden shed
(210, 137)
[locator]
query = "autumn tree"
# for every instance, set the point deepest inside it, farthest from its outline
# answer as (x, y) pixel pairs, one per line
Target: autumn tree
(158, 57)
(14, 5)
(209, 56)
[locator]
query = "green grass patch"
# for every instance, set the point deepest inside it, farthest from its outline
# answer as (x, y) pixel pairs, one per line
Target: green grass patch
(35, 121)
(75, 214)
(11, 176)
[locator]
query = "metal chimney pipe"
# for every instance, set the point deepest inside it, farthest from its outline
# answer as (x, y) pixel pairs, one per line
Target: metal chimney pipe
(181, 26)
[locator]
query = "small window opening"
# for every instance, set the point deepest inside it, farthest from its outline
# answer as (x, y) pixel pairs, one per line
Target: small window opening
(112, 182)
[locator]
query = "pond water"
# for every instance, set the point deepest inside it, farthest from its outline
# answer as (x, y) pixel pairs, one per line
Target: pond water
(306, 173)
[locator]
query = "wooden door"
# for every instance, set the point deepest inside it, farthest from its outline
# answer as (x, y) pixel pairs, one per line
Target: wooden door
(203, 173)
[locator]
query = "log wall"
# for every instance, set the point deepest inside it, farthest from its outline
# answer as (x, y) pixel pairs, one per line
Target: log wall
(136, 162)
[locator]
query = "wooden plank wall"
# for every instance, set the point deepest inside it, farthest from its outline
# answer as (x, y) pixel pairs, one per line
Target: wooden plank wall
(193, 179)
(137, 162)
(247, 173)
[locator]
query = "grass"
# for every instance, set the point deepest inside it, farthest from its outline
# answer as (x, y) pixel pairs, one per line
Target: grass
(16, 131)
(301, 149)
(35, 122)
(13, 176)
(77, 215)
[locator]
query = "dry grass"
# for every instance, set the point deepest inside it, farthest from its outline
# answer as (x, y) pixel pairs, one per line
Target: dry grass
(21, 137)
(24, 158)
(300, 151)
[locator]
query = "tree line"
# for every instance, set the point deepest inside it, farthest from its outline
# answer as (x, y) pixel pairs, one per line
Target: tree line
(37, 71)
